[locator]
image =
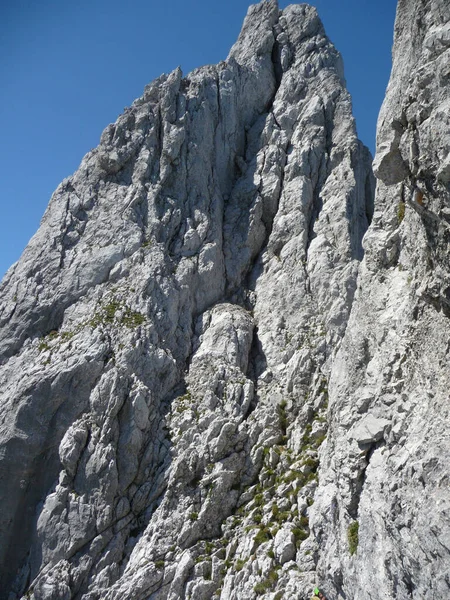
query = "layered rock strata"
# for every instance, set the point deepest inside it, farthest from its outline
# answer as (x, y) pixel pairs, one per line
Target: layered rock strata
(167, 335)
(382, 509)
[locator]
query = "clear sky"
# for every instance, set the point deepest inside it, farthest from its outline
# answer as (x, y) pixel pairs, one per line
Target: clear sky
(68, 68)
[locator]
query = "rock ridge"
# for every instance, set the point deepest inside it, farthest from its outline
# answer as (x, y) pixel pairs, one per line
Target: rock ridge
(384, 476)
(168, 334)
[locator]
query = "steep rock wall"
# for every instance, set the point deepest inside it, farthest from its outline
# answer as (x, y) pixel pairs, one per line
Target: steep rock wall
(382, 511)
(167, 335)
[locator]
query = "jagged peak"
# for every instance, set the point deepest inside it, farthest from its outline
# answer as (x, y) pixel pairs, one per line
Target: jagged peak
(177, 308)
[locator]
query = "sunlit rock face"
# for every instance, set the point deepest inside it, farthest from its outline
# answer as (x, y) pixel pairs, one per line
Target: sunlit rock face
(384, 471)
(167, 429)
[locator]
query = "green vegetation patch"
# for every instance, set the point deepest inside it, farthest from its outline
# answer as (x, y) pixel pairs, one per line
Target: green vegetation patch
(400, 211)
(353, 537)
(43, 345)
(267, 584)
(263, 535)
(239, 564)
(117, 313)
(300, 535)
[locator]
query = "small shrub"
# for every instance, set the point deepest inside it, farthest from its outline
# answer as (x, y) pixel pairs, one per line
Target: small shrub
(353, 537)
(272, 577)
(159, 564)
(262, 536)
(294, 476)
(300, 535)
(236, 521)
(67, 335)
(267, 584)
(193, 516)
(239, 564)
(284, 516)
(107, 316)
(304, 521)
(110, 311)
(132, 319)
(208, 574)
(259, 588)
(43, 346)
(258, 499)
(257, 517)
(274, 529)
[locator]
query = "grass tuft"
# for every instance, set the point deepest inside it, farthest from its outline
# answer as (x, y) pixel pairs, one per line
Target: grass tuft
(353, 537)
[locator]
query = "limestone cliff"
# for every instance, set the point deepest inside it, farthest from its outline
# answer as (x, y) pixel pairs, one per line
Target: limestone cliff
(167, 334)
(384, 478)
(178, 418)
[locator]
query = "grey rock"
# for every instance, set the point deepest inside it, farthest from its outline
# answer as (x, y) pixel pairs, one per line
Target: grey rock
(284, 545)
(168, 334)
(389, 384)
(369, 430)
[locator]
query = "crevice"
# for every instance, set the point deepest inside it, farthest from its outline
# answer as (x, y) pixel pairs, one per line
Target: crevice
(358, 485)
(257, 364)
(322, 176)
(369, 194)
(276, 61)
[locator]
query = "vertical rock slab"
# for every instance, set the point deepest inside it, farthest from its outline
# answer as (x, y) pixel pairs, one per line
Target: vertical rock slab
(167, 336)
(382, 511)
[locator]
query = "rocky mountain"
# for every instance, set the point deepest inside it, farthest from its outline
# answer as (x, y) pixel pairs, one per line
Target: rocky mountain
(205, 392)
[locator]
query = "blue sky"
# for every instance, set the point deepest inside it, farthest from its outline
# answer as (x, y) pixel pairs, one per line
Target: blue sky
(67, 69)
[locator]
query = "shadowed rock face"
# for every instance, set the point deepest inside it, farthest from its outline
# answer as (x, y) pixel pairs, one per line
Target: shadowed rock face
(168, 334)
(385, 465)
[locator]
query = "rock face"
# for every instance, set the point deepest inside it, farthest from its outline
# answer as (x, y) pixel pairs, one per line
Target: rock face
(201, 398)
(384, 478)
(168, 333)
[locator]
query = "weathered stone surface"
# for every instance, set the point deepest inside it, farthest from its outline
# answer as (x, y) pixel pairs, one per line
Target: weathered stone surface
(389, 383)
(284, 545)
(369, 430)
(168, 334)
